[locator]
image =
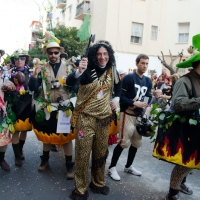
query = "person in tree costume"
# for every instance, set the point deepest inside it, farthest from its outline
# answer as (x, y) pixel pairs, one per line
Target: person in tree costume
(5, 138)
(98, 79)
(178, 136)
(19, 102)
(48, 83)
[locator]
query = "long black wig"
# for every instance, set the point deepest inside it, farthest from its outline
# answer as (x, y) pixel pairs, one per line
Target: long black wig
(92, 55)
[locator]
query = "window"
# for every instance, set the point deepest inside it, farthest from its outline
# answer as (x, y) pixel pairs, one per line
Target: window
(183, 32)
(154, 32)
(136, 33)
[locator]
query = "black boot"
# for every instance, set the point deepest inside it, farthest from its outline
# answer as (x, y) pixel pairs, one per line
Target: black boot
(69, 170)
(76, 196)
(4, 165)
(18, 161)
(45, 161)
(21, 145)
(101, 190)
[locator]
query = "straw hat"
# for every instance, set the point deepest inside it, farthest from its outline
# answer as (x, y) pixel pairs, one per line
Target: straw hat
(53, 45)
(19, 53)
(2, 52)
(196, 55)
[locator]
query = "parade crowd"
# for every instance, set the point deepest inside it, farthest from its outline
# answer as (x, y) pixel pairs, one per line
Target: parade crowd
(62, 99)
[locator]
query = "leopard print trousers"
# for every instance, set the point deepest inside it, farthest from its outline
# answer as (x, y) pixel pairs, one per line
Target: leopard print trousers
(177, 176)
(90, 136)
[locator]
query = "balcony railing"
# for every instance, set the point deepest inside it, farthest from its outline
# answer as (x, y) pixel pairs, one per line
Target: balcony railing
(61, 3)
(82, 10)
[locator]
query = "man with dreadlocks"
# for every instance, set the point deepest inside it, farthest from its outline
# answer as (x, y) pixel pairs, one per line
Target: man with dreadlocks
(98, 79)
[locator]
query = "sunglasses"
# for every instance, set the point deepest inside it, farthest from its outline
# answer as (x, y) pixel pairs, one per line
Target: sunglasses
(20, 58)
(54, 52)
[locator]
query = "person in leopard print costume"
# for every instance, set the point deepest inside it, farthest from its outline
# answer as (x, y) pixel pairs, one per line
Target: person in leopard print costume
(98, 79)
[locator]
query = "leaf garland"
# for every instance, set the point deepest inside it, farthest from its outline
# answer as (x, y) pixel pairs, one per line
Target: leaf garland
(45, 79)
(8, 121)
(7, 59)
(47, 102)
(170, 118)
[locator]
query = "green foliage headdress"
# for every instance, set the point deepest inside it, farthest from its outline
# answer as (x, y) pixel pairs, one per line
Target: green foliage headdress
(194, 50)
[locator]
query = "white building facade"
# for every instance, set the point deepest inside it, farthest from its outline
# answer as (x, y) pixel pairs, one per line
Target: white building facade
(136, 26)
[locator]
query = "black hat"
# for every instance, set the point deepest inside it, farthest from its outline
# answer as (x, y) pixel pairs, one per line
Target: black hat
(64, 55)
(2, 52)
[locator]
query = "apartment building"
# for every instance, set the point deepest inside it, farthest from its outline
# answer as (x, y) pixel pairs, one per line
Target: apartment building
(136, 26)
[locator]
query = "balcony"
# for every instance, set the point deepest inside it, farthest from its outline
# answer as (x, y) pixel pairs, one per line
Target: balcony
(82, 10)
(61, 4)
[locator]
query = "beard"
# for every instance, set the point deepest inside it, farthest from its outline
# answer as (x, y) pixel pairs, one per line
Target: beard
(53, 60)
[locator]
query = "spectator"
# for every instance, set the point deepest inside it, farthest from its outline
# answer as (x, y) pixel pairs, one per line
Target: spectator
(63, 56)
(159, 83)
(164, 73)
(165, 85)
(122, 73)
(153, 79)
(157, 99)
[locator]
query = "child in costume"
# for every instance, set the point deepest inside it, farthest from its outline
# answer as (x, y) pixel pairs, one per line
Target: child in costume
(19, 80)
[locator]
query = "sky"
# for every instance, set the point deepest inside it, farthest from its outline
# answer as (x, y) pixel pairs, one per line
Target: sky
(16, 17)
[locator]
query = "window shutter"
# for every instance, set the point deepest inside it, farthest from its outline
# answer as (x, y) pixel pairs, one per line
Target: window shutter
(184, 28)
(137, 29)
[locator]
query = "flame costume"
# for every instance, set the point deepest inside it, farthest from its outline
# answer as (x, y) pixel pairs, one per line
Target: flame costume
(179, 144)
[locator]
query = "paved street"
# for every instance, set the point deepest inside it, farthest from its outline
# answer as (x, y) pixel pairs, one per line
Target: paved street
(26, 183)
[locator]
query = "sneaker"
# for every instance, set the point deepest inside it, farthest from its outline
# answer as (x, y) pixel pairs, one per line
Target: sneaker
(43, 166)
(70, 171)
(133, 171)
(186, 189)
(175, 197)
(18, 162)
(112, 172)
(4, 165)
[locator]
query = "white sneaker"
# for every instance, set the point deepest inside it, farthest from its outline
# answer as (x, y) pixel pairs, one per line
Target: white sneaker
(112, 172)
(133, 171)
